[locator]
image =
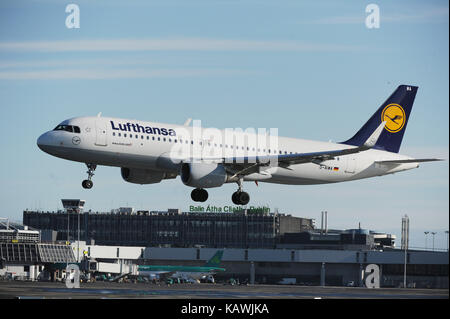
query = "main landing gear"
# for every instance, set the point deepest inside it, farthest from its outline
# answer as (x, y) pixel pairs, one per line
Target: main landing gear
(87, 183)
(240, 197)
(199, 195)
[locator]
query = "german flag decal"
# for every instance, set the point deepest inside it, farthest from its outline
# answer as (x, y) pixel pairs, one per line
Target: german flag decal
(336, 169)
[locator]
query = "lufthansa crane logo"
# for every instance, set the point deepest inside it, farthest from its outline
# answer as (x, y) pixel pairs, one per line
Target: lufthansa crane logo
(76, 140)
(395, 117)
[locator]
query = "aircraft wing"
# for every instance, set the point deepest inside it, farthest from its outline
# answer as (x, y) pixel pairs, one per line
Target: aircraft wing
(414, 160)
(250, 164)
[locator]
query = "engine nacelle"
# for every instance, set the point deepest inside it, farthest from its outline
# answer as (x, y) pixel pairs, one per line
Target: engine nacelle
(142, 176)
(203, 175)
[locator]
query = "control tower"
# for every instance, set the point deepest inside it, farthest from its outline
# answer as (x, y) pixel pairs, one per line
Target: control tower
(74, 206)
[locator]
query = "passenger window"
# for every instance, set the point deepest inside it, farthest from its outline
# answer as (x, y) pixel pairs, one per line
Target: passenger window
(114, 133)
(124, 134)
(119, 134)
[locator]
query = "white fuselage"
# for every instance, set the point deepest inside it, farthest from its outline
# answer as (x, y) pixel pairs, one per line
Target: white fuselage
(161, 147)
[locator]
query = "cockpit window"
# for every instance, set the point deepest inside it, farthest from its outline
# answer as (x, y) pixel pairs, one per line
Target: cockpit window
(68, 128)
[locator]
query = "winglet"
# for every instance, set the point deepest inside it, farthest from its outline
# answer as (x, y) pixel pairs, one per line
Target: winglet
(373, 138)
(188, 121)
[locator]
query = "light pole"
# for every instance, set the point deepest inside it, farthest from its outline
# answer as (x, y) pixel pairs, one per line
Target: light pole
(78, 243)
(433, 233)
(446, 232)
(68, 242)
(405, 243)
(426, 233)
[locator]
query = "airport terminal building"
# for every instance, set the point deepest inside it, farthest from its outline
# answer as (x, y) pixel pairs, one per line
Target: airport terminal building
(259, 247)
(243, 229)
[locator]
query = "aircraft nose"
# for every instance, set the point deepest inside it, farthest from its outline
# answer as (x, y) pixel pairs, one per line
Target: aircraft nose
(43, 141)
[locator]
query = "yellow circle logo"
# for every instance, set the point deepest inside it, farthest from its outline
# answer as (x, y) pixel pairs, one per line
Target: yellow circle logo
(395, 117)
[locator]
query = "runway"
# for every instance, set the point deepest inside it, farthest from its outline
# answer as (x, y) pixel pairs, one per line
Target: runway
(107, 290)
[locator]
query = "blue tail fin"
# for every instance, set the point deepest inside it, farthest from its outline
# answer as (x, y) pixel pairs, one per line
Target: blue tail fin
(215, 260)
(395, 111)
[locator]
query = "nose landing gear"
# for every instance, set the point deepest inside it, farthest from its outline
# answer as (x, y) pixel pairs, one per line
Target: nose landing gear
(87, 183)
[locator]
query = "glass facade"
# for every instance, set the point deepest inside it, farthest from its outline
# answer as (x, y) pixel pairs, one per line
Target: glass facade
(232, 230)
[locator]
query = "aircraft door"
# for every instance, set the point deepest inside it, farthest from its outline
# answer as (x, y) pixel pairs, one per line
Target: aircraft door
(351, 165)
(101, 133)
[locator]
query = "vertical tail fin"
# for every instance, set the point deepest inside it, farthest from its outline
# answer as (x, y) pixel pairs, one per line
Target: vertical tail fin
(395, 111)
(215, 260)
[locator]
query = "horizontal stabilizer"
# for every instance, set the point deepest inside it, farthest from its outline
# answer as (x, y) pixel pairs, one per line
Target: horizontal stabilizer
(414, 160)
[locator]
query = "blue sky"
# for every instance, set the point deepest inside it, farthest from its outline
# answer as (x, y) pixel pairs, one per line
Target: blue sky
(312, 69)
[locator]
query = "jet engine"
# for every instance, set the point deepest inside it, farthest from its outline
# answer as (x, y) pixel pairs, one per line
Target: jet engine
(203, 175)
(143, 176)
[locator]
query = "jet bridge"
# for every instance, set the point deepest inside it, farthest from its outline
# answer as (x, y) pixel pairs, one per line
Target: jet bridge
(32, 254)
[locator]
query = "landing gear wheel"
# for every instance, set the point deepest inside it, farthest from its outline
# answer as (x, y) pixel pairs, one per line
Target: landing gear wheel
(87, 184)
(240, 198)
(234, 198)
(199, 195)
(244, 198)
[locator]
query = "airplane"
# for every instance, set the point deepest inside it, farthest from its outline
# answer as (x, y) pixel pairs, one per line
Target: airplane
(186, 272)
(149, 152)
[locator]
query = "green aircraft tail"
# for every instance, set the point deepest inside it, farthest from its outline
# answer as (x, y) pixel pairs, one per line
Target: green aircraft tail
(215, 260)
